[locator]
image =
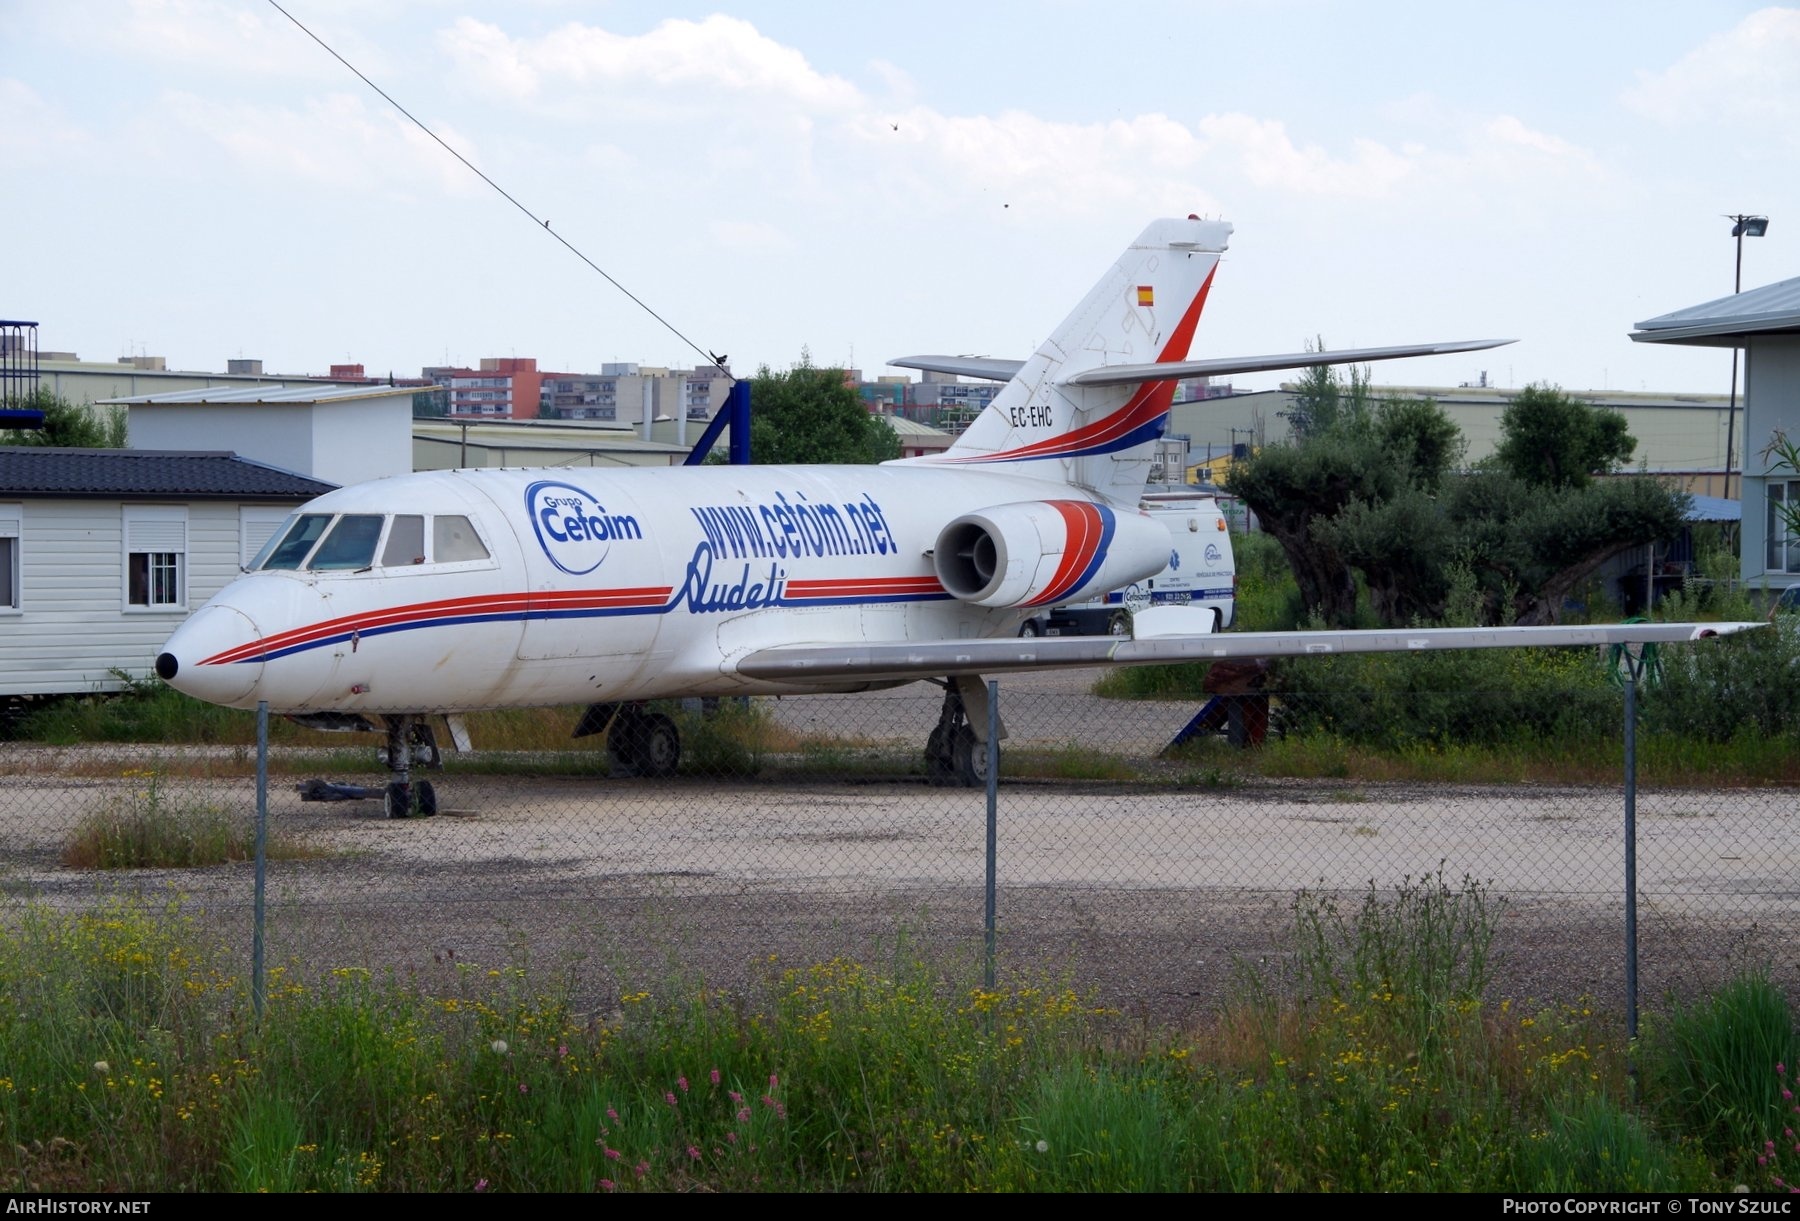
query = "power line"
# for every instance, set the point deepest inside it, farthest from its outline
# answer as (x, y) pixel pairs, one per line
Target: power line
(711, 359)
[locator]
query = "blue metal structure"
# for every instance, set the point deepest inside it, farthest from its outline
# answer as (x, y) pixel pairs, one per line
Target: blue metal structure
(736, 414)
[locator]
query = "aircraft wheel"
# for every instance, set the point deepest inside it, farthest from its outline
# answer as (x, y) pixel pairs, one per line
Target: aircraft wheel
(969, 760)
(396, 800)
(623, 738)
(939, 767)
(425, 799)
(1029, 628)
(658, 746)
(1119, 624)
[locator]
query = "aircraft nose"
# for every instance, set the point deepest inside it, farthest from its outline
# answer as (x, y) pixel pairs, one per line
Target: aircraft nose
(200, 658)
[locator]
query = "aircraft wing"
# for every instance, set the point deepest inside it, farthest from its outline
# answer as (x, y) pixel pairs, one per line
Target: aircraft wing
(1125, 375)
(962, 366)
(803, 663)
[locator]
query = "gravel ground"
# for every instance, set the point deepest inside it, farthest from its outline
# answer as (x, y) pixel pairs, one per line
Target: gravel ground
(1147, 896)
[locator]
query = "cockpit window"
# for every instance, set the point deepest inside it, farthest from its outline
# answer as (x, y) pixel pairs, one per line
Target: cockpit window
(453, 538)
(350, 544)
(295, 542)
(405, 543)
(275, 537)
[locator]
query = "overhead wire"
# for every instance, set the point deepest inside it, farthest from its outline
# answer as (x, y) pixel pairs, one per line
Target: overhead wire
(716, 361)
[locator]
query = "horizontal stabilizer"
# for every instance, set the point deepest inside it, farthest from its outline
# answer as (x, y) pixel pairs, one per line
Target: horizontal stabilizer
(1125, 375)
(925, 659)
(962, 366)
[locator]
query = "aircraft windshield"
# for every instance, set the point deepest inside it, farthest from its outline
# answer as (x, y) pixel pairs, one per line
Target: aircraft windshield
(275, 538)
(299, 538)
(406, 542)
(351, 543)
(452, 539)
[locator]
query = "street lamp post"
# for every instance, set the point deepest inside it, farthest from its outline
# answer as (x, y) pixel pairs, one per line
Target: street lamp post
(1742, 226)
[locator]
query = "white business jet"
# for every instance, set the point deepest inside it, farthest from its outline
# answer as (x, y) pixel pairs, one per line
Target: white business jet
(446, 592)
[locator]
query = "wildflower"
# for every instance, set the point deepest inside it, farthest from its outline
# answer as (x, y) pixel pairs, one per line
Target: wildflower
(608, 1185)
(694, 1152)
(480, 1184)
(562, 1051)
(774, 1081)
(1043, 1146)
(102, 1067)
(744, 1115)
(735, 1096)
(715, 1076)
(669, 1098)
(731, 1138)
(523, 1088)
(682, 1082)
(642, 1168)
(499, 1047)
(614, 1154)
(612, 1114)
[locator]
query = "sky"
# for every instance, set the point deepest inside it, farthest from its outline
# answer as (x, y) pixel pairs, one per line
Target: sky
(199, 180)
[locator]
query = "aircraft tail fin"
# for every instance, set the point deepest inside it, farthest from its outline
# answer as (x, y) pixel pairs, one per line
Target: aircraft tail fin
(1102, 437)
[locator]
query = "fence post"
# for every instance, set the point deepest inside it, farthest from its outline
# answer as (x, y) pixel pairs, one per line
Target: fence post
(257, 980)
(1634, 664)
(993, 805)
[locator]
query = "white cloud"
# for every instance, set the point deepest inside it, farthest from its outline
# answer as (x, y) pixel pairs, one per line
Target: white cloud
(1750, 72)
(335, 139)
(35, 132)
(718, 53)
(748, 236)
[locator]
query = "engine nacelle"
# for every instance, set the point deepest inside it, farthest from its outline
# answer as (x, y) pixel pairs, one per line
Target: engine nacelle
(1047, 552)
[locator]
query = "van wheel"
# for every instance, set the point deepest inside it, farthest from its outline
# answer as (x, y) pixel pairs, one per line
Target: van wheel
(1029, 628)
(1119, 624)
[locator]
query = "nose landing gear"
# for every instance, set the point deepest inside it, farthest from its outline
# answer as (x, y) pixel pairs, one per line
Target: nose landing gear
(410, 742)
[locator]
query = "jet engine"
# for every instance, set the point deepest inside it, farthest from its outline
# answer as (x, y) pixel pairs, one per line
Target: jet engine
(1047, 552)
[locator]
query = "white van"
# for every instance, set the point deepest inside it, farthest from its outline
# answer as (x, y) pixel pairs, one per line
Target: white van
(1202, 571)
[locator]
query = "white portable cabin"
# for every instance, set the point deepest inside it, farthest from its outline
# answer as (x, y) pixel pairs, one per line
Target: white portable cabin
(104, 551)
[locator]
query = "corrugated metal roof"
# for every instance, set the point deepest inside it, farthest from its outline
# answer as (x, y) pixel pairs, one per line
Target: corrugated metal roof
(904, 427)
(1773, 307)
(1715, 508)
(44, 470)
(270, 393)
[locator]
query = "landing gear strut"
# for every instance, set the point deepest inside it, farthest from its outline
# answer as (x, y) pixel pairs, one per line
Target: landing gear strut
(410, 742)
(956, 751)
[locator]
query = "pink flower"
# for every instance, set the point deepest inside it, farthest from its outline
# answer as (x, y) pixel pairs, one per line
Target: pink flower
(613, 1154)
(562, 1050)
(682, 1082)
(1787, 1095)
(480, 1184)
(715, 1076)
(694, 1152)
(612, 1114)
(1761, 1160)
(641, 1169)
(774, 1081)
(523, 1088)
(669, 1098)
(735, 1096)
(744, 1115)
(608, 1185)
(731, 1138)
(767, 1101)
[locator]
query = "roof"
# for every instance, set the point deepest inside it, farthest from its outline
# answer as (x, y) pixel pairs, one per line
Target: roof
(905, 427)
(1714, 508)
(268, 392)
(1771, 308)
(131, 474)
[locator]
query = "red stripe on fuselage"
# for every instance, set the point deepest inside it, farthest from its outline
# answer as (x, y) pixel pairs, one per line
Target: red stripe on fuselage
(452, 608)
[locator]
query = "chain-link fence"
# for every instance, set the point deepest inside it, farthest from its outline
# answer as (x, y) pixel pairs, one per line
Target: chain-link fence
(808, 828)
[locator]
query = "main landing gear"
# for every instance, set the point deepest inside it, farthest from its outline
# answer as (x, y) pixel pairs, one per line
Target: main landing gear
(956, 751)
(410, 743)
(643, 742)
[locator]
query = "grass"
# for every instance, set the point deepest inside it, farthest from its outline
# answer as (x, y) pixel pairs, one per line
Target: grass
(149, 829)
(1376, 1062)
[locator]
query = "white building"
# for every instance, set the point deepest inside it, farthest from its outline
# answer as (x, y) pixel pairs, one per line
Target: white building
(1765, 324)
(343, 434)
(104, 551)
